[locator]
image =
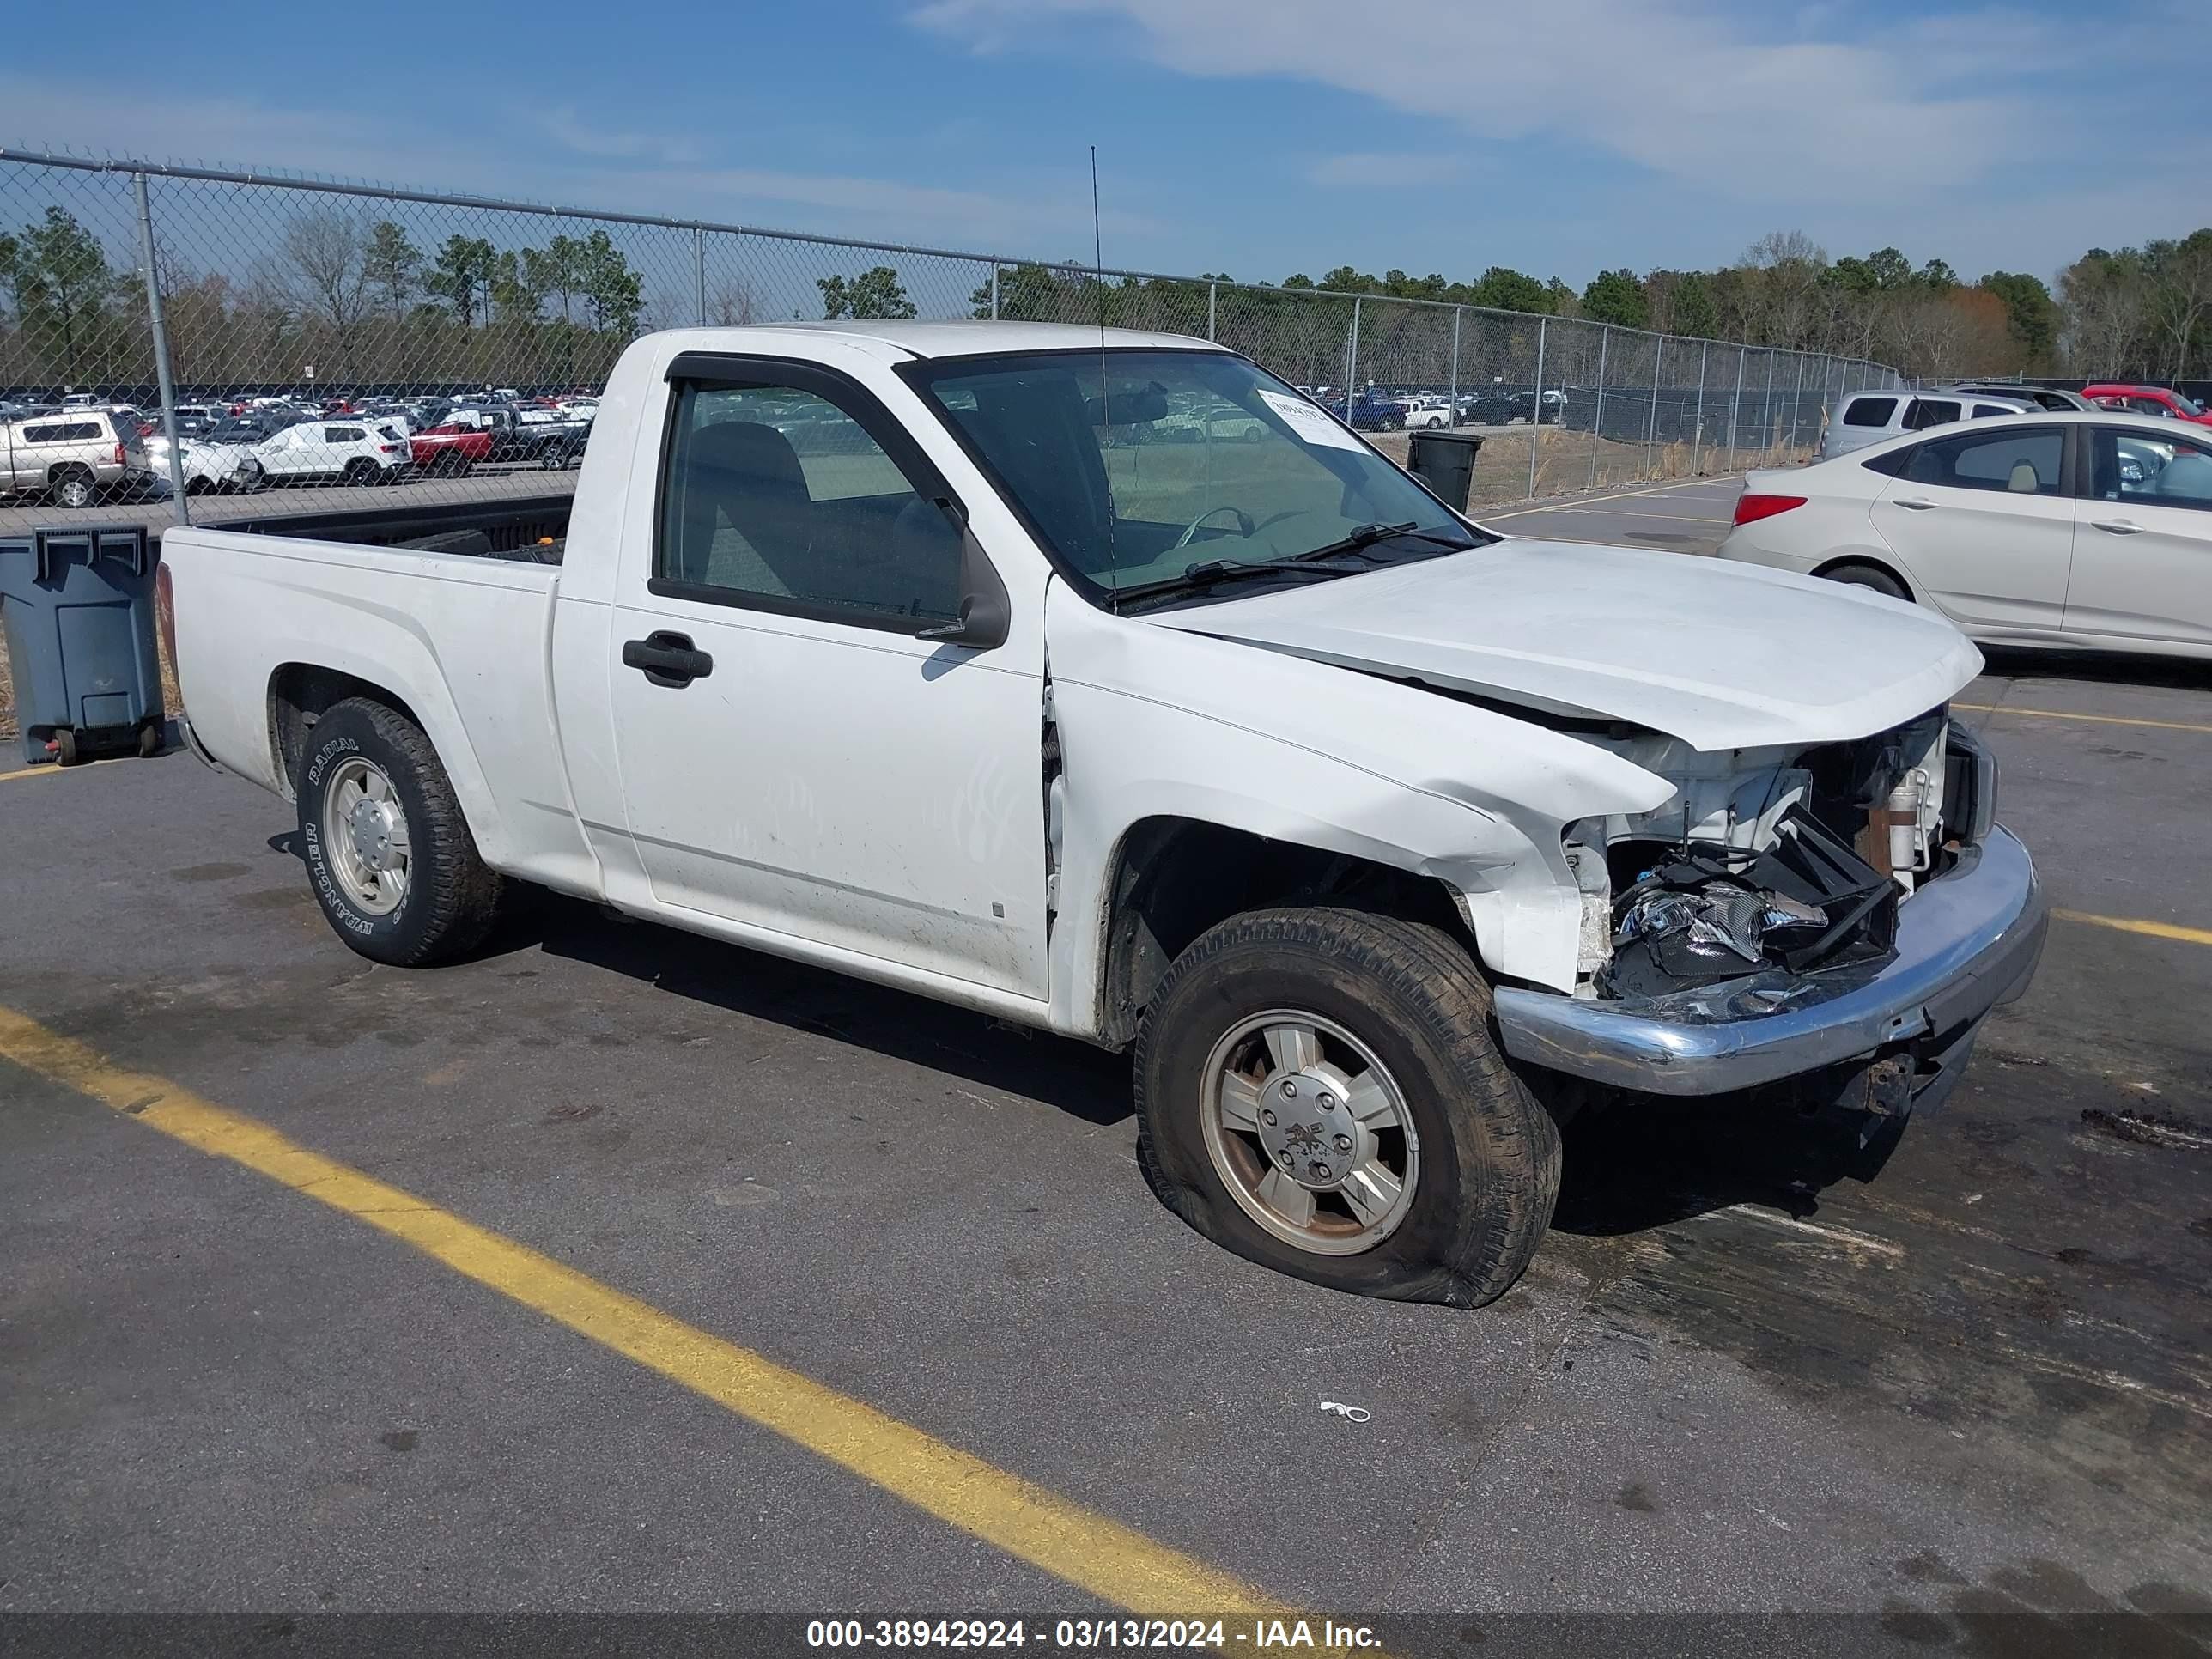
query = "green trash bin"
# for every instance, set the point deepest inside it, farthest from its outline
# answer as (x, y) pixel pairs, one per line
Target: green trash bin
(1445, 462)
(77, 610)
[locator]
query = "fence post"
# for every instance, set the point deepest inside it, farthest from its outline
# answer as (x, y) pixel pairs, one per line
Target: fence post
(1351, 362)
(1735, 408)
(1766, 410)
(1212, 301)
(1597, 420)
(1459, 315)
(1797, 403)
(995, 290)
(160, 327)
(1536, 414)
(1651, 425)
(1698, 426)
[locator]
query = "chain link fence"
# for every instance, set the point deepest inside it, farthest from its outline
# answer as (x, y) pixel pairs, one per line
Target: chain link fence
(191, 343)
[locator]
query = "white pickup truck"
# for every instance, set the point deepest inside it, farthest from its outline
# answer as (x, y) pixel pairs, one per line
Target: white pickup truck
(1385, 841)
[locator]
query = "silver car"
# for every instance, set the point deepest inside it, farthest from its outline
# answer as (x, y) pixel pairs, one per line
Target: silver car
(1868, 417)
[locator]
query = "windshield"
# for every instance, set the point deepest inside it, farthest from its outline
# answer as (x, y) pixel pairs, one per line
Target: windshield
(1178, 459)
(2187, 405)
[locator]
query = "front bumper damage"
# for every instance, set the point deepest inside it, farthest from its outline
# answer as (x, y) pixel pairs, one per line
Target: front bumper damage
(1966, 942)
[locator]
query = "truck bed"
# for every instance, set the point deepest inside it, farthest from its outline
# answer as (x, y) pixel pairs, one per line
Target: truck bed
(533, 528)
(445, 610)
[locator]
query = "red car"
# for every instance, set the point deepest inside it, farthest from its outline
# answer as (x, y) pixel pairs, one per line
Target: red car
(448, 451)
(2158, 401)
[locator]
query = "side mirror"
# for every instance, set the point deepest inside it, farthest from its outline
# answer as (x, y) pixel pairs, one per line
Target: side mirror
(986, 614)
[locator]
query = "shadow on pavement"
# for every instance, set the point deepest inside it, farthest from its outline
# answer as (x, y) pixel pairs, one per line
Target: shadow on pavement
(2098, 668)
(1644, 1162)
(1084, 1082)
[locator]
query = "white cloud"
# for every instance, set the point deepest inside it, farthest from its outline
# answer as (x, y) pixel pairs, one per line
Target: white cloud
(1686, 91)
(1372, 170)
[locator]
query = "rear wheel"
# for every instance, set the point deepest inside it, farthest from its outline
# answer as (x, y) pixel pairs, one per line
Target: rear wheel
(392, 861)
(1869, 576)
(1318, 1091)
(73, 487)
(361, 472)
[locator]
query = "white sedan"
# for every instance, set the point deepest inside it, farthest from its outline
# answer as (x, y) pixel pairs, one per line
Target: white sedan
(2085, 530)
(207, 465)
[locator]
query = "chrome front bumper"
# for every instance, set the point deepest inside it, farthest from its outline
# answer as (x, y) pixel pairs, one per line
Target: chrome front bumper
(1966, 942)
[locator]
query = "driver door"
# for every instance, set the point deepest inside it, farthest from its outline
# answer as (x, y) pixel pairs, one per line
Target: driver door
(794, 756)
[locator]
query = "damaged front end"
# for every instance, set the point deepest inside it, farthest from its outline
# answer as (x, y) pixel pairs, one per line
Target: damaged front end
(1839, 918)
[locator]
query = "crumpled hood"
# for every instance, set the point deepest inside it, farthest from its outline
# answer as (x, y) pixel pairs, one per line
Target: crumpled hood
(1721, 655)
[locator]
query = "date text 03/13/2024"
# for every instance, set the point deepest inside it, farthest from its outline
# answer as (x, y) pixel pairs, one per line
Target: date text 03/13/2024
(1091, 1635)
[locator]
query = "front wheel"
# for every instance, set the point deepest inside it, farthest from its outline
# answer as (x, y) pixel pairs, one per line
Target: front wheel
(392, 861)
(74, 488)
(1318, 1091)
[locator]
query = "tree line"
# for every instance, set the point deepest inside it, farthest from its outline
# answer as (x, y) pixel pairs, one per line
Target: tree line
(361, 302)
(2142, 313)
(364, 303)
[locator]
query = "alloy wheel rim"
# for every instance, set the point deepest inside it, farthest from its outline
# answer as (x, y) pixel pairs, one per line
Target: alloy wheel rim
(1309, 1132)
(365, 837)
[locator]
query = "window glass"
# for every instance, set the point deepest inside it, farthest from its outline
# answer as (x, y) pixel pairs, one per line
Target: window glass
(779, 495)
(2150, 406)
(2156, 470)
(74, 432)
(1986, 411)
(1870, 412)
(1930, 411)
(2024, 462)
(1136, 466)
(343, 434)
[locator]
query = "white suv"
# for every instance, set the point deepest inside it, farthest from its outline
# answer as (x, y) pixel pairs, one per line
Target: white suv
(349, 450)
(1872, 418)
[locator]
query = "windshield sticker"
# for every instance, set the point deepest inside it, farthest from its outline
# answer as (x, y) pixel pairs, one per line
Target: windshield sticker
(1311, 422)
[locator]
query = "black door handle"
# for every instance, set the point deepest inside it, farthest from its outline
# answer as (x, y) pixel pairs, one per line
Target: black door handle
(667, 659)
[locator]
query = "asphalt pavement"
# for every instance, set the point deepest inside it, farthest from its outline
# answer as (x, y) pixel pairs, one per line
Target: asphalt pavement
(700, 1282)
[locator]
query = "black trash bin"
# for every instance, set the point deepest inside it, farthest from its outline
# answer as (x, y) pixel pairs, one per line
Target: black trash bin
(77, 610)
(1445, 462)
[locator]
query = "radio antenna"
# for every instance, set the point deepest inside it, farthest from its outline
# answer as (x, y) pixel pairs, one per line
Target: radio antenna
(1105, 406)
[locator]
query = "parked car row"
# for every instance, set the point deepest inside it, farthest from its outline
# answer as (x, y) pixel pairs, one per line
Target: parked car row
(75, 455)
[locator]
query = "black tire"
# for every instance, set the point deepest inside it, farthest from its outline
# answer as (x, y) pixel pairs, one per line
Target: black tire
(1490, 1153)
(75, 488)
(66, 753)
(452, 896)
(150, 739)
(1867, 576)
(361, 473)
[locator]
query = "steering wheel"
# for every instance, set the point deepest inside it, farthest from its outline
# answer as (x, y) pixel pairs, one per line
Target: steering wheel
(1243, 523)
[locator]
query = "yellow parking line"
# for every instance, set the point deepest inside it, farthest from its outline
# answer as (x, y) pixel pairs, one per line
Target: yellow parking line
(1111, 1561)
(2129, 925)
(2092, 720)
(29, 772)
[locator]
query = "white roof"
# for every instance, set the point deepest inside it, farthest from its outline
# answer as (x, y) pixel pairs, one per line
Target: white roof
(962, 339)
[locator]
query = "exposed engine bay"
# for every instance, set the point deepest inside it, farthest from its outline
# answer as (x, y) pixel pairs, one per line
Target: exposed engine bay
(1768, 866)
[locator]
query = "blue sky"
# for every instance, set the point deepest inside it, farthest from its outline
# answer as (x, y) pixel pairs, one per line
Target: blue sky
(1257, 136)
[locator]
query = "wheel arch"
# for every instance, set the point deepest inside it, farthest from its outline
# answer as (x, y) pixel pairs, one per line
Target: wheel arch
(1172, 877)
(1879, 561)
(300, 692)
